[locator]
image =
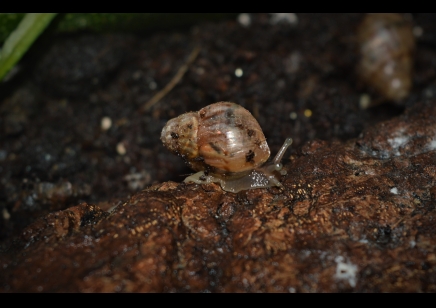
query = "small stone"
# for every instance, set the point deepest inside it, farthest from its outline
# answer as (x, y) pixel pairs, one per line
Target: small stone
(106, 123)
(239, 72)
(121, 149)
(244, 19)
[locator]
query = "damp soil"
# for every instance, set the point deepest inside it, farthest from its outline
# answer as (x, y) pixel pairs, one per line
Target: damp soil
(90, 199)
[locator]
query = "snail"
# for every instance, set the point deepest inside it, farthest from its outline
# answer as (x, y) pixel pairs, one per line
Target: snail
(386, 48)
(226, 145)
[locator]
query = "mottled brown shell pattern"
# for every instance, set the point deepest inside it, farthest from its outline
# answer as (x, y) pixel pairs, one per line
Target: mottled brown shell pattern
(386, 45)
(223, 137)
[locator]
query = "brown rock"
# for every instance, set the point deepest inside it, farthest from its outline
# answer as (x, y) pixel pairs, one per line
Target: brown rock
(356, 216)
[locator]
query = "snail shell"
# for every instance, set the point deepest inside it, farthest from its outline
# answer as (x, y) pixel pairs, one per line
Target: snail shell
(386, 46)
(222, 137)
(225, 143)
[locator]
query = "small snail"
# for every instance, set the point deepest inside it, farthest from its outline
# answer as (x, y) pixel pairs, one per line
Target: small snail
(386, 46)
(225, 143)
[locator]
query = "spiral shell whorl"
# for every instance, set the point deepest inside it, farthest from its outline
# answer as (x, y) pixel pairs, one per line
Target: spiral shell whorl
(230, 139)
(180, 135)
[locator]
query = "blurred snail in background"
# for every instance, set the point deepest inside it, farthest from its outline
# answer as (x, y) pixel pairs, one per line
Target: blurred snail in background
(386, 43)
(226, 145)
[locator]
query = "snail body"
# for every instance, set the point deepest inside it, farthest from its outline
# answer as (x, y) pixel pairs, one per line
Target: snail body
(387, 44)
(226, 145)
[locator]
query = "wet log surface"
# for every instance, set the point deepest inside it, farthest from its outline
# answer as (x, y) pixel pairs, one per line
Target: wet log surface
(92, 207)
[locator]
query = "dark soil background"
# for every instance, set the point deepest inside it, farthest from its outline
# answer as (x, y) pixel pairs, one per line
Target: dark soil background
(71, 129)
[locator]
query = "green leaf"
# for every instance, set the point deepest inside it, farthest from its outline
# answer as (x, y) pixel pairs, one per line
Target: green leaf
(30, 27)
